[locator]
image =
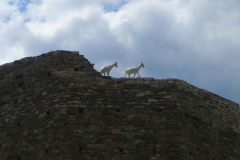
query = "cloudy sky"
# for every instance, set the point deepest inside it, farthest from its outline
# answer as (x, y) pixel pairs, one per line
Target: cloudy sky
(194, 40)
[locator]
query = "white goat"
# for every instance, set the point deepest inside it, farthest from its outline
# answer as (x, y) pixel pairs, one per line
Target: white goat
(133, 70)
(108, 68)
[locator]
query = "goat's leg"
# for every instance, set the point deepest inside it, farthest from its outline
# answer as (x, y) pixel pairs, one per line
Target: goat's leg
(138, 74)
(108, 73)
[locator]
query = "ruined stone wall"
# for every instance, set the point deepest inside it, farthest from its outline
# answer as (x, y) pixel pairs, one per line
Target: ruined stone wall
(56, 106)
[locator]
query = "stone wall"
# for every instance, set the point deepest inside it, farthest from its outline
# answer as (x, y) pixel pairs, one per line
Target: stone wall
(56, 106)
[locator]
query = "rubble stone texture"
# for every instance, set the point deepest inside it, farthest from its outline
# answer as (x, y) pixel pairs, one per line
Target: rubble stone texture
(56, 106)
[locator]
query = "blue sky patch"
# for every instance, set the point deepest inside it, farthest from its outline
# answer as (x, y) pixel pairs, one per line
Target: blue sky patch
(114, 7)
(22, 4)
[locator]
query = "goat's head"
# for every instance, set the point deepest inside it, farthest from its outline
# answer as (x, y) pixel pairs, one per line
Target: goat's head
(115, 64)
(142, 65)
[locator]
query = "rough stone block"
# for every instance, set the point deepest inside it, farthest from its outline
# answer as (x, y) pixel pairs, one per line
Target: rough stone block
(149, 93)
(152, 100)
(140, 94)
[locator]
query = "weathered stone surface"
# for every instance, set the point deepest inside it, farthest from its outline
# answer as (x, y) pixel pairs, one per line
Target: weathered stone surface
(149, 93)
(56, 106)
(140, 94)
(152, 100)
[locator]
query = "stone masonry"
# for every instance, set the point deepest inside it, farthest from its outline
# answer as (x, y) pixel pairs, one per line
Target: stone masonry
(56, 106)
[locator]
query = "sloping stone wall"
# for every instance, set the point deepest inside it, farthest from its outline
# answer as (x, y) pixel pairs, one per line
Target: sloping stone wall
(56, 106)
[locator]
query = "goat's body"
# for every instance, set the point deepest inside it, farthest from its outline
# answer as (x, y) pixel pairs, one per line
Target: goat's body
(133, 70)
(107, 69)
